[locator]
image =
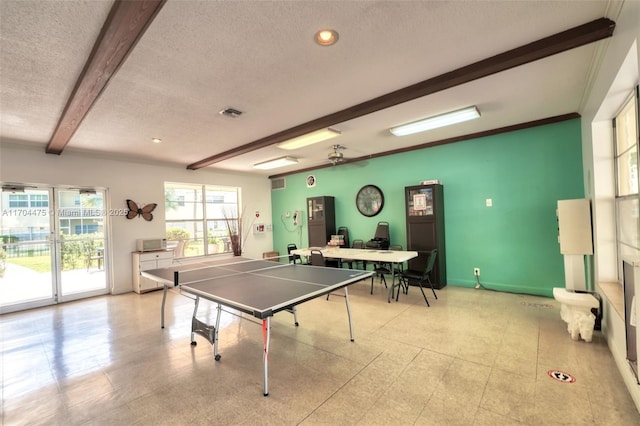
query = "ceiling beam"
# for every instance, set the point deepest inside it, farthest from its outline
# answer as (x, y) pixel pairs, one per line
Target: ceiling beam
(125, 25)
(548, 46)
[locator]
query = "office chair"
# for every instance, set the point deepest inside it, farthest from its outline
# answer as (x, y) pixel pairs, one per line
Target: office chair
(336, 262)
(383, 268)
(398, 267)
(419, 277)
(380, 240)
(293, 257)
(344, 231)
(317, 258)
(357, 244)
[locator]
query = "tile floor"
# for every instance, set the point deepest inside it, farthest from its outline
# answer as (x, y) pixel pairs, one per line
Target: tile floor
(475, 357)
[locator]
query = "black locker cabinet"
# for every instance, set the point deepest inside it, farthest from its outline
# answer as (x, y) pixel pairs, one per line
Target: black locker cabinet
(425, 228)
(321, 220)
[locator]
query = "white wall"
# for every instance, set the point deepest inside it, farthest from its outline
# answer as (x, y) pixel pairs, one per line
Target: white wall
(141, 182)
(614, 82)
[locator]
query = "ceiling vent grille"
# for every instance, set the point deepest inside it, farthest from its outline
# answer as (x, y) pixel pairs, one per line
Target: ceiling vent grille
(13, 188)
(278, 183)
(231, 112)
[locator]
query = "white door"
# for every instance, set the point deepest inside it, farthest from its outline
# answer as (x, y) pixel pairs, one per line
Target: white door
(52, 246)
(80, 243)
(27, 251)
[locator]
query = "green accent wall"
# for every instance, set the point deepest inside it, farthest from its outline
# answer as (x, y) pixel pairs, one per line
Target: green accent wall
(514, 242)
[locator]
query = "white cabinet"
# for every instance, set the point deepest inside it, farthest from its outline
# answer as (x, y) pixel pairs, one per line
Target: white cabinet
(143, 261)
(574, 227)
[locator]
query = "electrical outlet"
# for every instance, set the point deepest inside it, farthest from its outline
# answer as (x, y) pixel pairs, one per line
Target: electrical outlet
(476, 272)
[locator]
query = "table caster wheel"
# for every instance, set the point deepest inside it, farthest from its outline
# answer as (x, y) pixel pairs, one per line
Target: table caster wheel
(217, 357)
(194, 343)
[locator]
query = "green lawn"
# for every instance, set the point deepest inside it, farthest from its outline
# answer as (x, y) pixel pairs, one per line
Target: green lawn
(36, 263)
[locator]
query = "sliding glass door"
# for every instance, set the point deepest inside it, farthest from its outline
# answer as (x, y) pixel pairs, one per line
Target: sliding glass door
(52, 246)
(80, 222)
(27, 250)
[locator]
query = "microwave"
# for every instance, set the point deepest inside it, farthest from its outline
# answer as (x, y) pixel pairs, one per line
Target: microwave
(151, 244)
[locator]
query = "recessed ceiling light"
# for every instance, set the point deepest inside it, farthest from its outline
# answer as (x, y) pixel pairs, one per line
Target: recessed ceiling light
(156, 140)
(326, 37)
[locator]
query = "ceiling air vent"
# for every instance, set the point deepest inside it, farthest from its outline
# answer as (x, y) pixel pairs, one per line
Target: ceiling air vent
(13, 188)
(278, 183)
(231, 112)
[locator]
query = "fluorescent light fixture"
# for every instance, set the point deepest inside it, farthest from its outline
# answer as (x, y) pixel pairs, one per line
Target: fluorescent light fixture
(278, 162)
(434, 122)
(310, 138)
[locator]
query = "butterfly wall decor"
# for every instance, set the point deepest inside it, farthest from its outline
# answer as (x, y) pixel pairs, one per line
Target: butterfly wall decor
(135, 210)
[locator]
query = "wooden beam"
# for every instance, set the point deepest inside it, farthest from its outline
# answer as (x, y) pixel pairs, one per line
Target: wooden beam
(125, 25)
(557, 43)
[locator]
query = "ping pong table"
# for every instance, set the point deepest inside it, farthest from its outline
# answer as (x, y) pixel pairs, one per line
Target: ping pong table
(260, 288)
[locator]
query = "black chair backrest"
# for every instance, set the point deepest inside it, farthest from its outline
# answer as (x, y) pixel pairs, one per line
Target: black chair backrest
(382, 231)
(344, 231)
(292, 257)
(317, 259)
(357, 244)
(380, 241)
(431, 262)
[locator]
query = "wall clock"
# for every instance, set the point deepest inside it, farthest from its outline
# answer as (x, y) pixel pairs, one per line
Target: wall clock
(369, 200)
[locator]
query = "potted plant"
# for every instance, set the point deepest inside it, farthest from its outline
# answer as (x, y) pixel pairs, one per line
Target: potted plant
(234, 227)
(214, 242)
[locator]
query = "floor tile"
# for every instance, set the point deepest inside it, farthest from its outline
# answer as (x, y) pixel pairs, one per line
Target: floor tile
(474, 357)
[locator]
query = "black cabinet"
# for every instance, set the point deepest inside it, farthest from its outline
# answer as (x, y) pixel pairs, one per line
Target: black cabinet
(321, 220)
(425, 228)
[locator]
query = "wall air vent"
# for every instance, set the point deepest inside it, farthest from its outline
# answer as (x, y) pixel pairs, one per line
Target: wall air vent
(278, 183)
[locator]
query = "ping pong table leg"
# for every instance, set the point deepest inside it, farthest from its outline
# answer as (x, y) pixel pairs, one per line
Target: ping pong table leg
(266, 334)
(216, 355)
(293, 311)
(164, 299)
(346, 299)
(193, 329)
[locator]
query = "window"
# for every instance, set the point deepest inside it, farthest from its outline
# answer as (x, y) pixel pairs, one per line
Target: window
(18, 201)
(198, 216)
(625, 129)
(38, 200)
(87, 229)
(28, 201)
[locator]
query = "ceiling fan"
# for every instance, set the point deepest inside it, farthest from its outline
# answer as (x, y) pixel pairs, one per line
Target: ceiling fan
(337, 157)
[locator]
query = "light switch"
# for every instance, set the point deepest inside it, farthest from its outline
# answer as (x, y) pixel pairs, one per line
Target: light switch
(489, 202)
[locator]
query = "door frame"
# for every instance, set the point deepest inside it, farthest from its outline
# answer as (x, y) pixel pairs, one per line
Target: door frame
(54, 242)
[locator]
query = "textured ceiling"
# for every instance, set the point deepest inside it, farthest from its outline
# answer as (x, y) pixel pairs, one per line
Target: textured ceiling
(198, 57)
